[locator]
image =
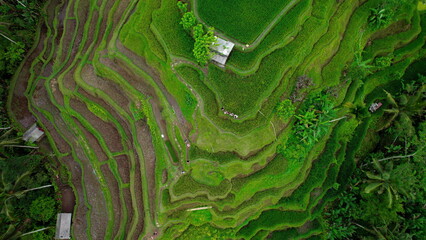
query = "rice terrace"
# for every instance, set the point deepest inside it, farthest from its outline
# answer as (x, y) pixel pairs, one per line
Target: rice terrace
(231, 119)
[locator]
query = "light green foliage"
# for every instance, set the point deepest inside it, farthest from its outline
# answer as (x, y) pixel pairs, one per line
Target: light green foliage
(183, 7)
(203, 42)
(285, 109)
(188, 20)
(206, 232)
(97, 110)
(383, 62)
(137, 110)
(43, 209)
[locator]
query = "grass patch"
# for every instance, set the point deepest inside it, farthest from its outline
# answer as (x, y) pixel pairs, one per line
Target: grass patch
(241, 20)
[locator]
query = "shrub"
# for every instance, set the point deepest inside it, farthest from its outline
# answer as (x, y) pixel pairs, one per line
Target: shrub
(382, 62)
(188, 20)
(285, 109)
(183, 7)
(43, 209)
(202, 44)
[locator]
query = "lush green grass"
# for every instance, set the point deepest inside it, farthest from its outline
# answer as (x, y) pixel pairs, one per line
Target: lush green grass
(233, 166)
(240, 20)
(166, 26)
(247, 62)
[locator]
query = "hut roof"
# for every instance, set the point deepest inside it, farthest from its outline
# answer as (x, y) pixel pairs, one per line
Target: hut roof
(33, 134)
(222, 46)
(63, 226)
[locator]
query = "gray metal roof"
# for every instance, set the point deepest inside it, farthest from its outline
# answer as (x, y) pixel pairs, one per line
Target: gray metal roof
(63, 226)
(222, 46)
(33, 134)
(219, 59)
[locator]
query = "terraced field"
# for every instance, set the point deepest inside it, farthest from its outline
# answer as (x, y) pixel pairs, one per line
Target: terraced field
(139, 126)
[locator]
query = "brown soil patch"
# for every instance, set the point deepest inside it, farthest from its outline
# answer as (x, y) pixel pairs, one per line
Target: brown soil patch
(164, 176)
(60, 143)
(93, 142)
(394, 28)
(115, 196)
(305, 228)
(123, 122)
(98, 213)
(145, 141)
(123, 167)
(111, 89)
(128, 201)
(79, 218)
(139, 200)
(108, 131)
(142, 64)
(68, 200)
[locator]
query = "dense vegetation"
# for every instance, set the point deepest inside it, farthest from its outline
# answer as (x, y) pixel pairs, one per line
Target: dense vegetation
(386, 196)
(18, 24)
(145, 124)
(27, 199)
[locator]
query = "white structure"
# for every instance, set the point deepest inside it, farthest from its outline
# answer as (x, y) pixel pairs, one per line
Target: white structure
(33, 134)
(375, 106)
(63, 226)
(221, 50)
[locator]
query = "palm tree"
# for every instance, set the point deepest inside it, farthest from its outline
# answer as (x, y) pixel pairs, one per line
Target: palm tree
(404, 108)
(3, 32)
(7, 192)
(393, 181)
(381, 182)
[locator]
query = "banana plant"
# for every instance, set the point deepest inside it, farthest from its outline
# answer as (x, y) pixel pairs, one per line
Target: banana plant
(379, 17)
(404, 108)
(382, 181)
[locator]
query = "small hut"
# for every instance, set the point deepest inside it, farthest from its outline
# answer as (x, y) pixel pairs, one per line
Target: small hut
(63, 226)
(375, 106)
(221, 50)
(33, 134)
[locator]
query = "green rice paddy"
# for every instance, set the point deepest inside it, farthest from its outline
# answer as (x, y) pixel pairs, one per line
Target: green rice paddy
(139, 126)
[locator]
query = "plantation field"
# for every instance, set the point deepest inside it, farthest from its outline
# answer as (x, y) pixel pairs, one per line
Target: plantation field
(240, 20)
(141, 126)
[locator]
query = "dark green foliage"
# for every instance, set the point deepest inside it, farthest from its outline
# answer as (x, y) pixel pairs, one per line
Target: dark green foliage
(11, 57)
(190, 100)
(271, 219)
(22, 173)
(43, 209)
(43, 235)
(384, 195)
(13, 167)
(337, 224)
(407, 107)
(17, 30)
(379, 17)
